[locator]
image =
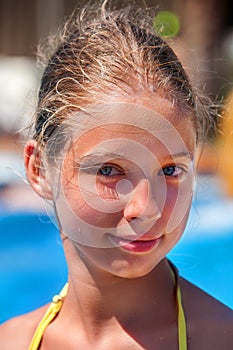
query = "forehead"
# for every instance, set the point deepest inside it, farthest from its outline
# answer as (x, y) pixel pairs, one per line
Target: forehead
(157, 124)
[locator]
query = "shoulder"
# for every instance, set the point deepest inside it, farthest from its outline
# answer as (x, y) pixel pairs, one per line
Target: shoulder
(203, 305)
(209, 321)
(20, 330)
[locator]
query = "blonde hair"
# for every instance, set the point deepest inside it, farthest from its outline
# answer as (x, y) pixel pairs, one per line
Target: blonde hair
(103, 51)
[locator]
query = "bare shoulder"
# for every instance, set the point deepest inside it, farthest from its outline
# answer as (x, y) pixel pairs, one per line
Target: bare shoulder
(210, 323)
(19, 330)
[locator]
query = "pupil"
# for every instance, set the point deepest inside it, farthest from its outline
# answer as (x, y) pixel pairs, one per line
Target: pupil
(105, 170)
(169, 170)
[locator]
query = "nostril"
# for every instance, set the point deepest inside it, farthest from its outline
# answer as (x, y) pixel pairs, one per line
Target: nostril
(132, 219)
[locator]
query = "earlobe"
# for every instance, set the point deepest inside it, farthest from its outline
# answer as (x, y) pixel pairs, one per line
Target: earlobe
(35, 172)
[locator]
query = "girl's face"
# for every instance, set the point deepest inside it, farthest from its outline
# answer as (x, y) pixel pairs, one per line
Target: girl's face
(125, 187)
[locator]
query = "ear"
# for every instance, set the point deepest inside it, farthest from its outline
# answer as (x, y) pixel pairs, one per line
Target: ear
(34, 171)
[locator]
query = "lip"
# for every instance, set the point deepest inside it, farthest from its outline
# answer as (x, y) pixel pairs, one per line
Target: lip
(136, 246)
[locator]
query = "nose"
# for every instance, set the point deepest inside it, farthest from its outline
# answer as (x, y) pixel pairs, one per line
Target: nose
(143, 204)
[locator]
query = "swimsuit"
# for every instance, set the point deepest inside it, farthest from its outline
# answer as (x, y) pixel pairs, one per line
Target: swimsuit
(56, 305)
(49, 316)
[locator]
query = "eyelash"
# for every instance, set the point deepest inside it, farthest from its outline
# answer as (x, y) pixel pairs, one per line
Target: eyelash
(173, 168)
(176, 168)
(117, 170)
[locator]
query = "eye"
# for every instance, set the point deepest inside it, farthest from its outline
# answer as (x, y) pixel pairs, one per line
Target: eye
(172, 171)
(109, 170)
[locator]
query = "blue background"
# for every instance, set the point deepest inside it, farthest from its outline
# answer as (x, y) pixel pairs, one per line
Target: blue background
(33, 268)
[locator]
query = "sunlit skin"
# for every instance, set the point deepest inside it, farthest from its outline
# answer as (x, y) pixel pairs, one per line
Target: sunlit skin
(104, 276)
(138, 209)
(122, 195)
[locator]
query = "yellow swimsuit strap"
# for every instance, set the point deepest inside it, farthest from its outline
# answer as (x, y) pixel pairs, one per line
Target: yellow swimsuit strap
(56, 305)
(182, 331)
(50, 314)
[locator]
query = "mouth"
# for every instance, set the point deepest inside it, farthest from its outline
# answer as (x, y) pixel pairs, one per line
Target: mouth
(136, 246)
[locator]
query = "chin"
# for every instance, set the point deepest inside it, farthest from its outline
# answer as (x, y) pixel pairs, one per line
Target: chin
(131, 271)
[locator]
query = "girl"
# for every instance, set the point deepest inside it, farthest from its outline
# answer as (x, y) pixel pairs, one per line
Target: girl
(113, 148)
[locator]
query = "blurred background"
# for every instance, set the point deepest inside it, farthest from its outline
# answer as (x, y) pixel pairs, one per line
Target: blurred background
(32, 266)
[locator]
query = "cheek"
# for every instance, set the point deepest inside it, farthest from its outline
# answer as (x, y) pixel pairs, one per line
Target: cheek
(79, 217)
(177, 208)
(170, 199)
(97, 207)
(106, 192)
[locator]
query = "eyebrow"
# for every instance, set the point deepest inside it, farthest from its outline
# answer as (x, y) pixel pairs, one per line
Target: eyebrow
(182, 155)
(103, 154)
(100, 157)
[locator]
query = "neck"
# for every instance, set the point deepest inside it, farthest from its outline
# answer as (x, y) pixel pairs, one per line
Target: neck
(95, 298)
